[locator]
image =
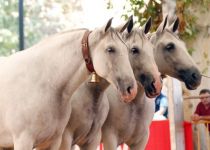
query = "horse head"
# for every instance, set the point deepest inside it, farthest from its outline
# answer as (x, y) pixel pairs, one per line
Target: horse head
(142, 59)
(110, 60)
(171, 55)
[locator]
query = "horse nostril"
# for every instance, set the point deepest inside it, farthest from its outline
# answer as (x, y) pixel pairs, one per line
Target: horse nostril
(153, 86)
(129, 89)
(195, 76)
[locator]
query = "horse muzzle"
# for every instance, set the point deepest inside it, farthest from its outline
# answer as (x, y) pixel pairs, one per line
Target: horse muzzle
(152, 86)
(191, 77)
(128, 91)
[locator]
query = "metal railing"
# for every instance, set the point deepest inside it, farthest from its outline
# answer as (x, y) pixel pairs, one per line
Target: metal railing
(207, 134)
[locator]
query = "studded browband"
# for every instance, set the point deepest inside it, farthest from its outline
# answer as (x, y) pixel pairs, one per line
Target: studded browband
(86, 53)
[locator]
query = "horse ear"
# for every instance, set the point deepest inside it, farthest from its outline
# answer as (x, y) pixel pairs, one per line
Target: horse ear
(128, 25)
(175, 25)
(146, 27)
(162, 25)
(108, 25)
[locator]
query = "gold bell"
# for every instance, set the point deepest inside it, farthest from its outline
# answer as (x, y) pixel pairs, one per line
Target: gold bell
(94, 78)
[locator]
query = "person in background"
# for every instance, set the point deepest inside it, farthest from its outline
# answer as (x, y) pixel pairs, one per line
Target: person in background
(161, 104)
(202, 111)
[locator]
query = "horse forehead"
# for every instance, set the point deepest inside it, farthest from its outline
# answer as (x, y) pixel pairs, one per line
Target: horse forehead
(179, 44)
(172, 37)
(145, 46)
(134, 38)
(114, 35)
(140, 36)
(116, 39)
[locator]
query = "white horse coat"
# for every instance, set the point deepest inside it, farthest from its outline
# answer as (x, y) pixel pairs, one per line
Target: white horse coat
(37, 83)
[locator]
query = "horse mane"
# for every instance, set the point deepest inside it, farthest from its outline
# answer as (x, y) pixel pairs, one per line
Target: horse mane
(72, 30)
(118, 35)
(149, 35)
(58, 34)
(173, 33)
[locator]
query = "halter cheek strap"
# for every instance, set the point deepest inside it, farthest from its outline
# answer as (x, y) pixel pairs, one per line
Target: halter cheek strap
(86, 53)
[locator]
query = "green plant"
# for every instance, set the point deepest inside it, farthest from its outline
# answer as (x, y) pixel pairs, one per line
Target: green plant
(188, 28)
(142, 11)
(41, 18)
(8, 26)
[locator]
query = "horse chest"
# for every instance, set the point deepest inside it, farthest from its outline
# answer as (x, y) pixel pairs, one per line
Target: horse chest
(91, 121)
(129, 123)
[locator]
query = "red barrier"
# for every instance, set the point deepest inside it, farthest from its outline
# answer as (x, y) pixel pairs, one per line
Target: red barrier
(159, 138)
(188, 135)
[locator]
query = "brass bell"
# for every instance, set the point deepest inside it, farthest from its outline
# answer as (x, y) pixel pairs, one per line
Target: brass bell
(94, 78)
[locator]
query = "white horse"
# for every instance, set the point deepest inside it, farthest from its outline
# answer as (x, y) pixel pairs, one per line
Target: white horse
(129, 123)
(171, 55)
(37, 83)
(84, 128)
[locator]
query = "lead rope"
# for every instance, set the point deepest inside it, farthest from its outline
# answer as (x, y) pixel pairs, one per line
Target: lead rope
(205, 76)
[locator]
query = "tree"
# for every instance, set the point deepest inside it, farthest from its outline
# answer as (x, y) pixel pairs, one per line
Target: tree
(41, 18)
(8, 26)
(188, 28)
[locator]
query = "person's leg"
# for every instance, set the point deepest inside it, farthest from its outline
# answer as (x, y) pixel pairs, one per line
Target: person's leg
(201, 133)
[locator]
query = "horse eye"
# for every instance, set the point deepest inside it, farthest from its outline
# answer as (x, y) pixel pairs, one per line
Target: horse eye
(110, 50)
(170, 46)
(135, 50)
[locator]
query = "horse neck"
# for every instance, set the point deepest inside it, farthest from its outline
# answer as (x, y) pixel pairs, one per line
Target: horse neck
(65, 67)
(96, 90)
(99, 87)
(140, 97)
